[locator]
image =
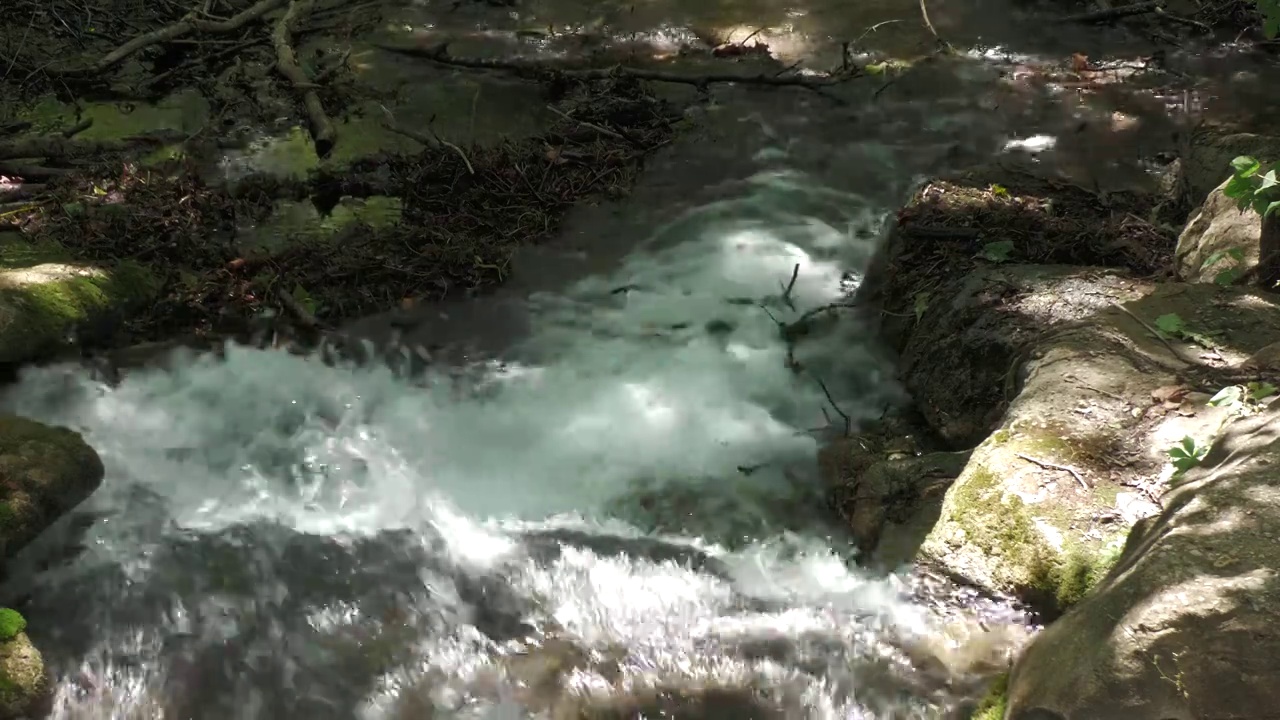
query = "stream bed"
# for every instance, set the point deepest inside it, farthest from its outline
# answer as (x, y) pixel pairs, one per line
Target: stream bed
(605, 506)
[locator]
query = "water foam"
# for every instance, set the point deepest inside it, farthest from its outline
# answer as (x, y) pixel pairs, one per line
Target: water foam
(277, 537)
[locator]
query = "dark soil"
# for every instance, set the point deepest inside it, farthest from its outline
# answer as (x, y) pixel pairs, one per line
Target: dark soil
(464, 209)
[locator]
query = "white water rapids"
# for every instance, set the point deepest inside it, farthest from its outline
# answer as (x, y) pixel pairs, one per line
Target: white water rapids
(573, 535)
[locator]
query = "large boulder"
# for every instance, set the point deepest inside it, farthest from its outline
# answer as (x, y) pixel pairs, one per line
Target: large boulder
(1220, 242)
(1187, 625)
(1073, 394)
(44, 472)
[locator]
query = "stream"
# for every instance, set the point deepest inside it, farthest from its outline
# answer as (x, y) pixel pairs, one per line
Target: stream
(603, 505)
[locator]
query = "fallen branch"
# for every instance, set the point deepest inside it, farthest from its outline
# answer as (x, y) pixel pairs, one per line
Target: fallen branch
(537, 70)
(57, 146)
(1054, 466)
(1115, 13)
(21, 191)
(188, 24)
(322, 132)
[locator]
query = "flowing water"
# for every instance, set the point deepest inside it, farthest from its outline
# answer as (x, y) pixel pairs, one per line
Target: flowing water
(616, 517)
(609, 510)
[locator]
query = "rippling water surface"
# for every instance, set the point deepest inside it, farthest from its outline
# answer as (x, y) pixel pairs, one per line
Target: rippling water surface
(576, 537)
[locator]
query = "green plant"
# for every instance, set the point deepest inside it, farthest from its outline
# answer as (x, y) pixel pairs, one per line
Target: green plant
(1228, 275)
(11, 623)
(1248, 185)
(1172, 325)
(1243, 399)
(998, 251)
(1270, 11)
(1187, 454)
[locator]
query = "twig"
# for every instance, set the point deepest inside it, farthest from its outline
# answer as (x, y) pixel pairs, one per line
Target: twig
(848, 421)
(1054, 466)
(1166, 15)
(1156, 333)
(1114, 13)
(431, 141)
(786, 292)
(287, 63)
(924, 15)
(440, 55)
(593, 126)
(186, 25)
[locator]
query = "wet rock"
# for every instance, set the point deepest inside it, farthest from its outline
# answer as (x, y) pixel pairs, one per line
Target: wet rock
(1221, 243)
(870, 491)
(47, 303)
(1187, 625)
(24, 682)
(44, 472)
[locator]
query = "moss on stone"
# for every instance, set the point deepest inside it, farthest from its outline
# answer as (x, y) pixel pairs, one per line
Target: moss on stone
(1003, 527)
(1000, 526)
(42, 300)
(11, 623)
(995, 702)
(23, 680)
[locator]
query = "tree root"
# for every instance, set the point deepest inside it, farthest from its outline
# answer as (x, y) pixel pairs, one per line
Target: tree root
(541, 70)
(322, 131)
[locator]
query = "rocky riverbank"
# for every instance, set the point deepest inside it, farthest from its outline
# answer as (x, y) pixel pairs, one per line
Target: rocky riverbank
(1096, 373)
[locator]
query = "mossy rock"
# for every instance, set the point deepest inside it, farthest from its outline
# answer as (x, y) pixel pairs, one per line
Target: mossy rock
(11, 624)
(44, 472)
(24, 682)
(47, 301)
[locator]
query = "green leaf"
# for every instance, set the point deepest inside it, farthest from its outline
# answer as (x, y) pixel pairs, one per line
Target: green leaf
(1227, 277)
(1227, 396)
(1261, 390)
(997, 252)
(1213, 259)
(1270, 208)
(1268, 180)
(1245, 166)
(999, 190)
(1170, 324)
(921, 304)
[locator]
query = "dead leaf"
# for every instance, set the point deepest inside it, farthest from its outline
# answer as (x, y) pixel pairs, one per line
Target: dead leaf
(1079, 62)
(1167, 394)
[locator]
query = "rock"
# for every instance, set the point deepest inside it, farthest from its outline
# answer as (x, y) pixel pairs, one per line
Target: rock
(959, 359)
(1207, 160)
(44, 472)
(24, 683)
(1038, 511)
(1187, 625)
(47, 302)
(1221, 243)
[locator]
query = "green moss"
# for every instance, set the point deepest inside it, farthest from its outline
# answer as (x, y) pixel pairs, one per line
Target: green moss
(1001, 436)
(1003, 527)
(11, 623)
(1000, 526)
(996, 702)
(38, 312)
